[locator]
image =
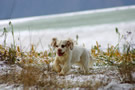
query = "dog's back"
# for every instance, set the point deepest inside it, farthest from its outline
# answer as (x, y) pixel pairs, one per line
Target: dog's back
(80, 56)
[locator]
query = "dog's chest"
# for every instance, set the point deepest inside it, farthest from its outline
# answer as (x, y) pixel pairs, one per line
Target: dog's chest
(63, 59)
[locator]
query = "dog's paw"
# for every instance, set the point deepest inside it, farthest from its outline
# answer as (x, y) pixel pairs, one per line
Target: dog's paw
(61, 73)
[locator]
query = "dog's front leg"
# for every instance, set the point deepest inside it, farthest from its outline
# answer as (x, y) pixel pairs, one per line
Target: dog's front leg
(66, 67)
(56, 65)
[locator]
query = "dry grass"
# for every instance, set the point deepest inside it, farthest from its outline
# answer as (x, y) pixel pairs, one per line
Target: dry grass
(29, 76)
(124, 61)
(35, 77)
(37, 73)
(126, 73)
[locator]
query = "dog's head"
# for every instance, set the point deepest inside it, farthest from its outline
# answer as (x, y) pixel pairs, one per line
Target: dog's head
(62, 46)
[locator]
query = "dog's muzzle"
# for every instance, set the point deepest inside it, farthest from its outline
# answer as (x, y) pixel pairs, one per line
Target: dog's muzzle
(60, 53)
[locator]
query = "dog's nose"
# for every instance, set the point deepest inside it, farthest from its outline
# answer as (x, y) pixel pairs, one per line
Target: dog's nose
(59, 50)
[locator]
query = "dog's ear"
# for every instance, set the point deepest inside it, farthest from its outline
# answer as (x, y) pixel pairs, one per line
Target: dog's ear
(70, 44)
(54, 42)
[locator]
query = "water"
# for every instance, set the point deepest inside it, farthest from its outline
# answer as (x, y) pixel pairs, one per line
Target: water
(91, 26)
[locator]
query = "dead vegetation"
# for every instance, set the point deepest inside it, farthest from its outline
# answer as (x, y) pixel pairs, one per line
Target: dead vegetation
(124, 61)
(36, 72)
(35, 77)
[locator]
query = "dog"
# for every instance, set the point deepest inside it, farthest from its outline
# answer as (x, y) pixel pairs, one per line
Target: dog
(68, 54)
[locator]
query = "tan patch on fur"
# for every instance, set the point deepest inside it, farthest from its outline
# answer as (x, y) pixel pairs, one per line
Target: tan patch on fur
(70, 43)
(54, 40)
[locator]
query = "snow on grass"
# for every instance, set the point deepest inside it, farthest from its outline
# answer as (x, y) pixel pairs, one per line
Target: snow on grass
(118, 86)
(102, 78)
(3, 68)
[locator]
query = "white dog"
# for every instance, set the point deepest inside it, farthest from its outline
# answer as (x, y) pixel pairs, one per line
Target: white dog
(67, 54)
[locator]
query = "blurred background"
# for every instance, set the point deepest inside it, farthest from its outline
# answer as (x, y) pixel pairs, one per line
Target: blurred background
(26, 8)
(38, 21)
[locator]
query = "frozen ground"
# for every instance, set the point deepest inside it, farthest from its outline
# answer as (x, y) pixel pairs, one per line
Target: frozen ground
(101, 78)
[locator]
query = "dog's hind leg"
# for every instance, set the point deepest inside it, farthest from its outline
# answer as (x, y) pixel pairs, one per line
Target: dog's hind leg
(85, 67)
(85, 62)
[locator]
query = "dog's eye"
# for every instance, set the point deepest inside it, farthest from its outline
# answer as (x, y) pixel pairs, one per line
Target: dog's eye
(62, 46)
(56, 45)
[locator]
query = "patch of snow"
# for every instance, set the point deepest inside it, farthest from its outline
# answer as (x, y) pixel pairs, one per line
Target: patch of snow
(133, 75)
(6, 87)
(82, 80)
(117, 86)
(3, 68)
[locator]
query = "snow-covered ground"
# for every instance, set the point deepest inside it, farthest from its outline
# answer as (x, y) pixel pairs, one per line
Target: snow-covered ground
(101, 78)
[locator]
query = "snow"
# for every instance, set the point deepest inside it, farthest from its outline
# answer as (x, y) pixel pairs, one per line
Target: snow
(133, 75)
(88, 35)
(117, 86)
(3, 68)
(107, 77)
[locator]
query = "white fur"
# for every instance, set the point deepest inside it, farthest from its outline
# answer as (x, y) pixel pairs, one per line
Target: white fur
(76, 55)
